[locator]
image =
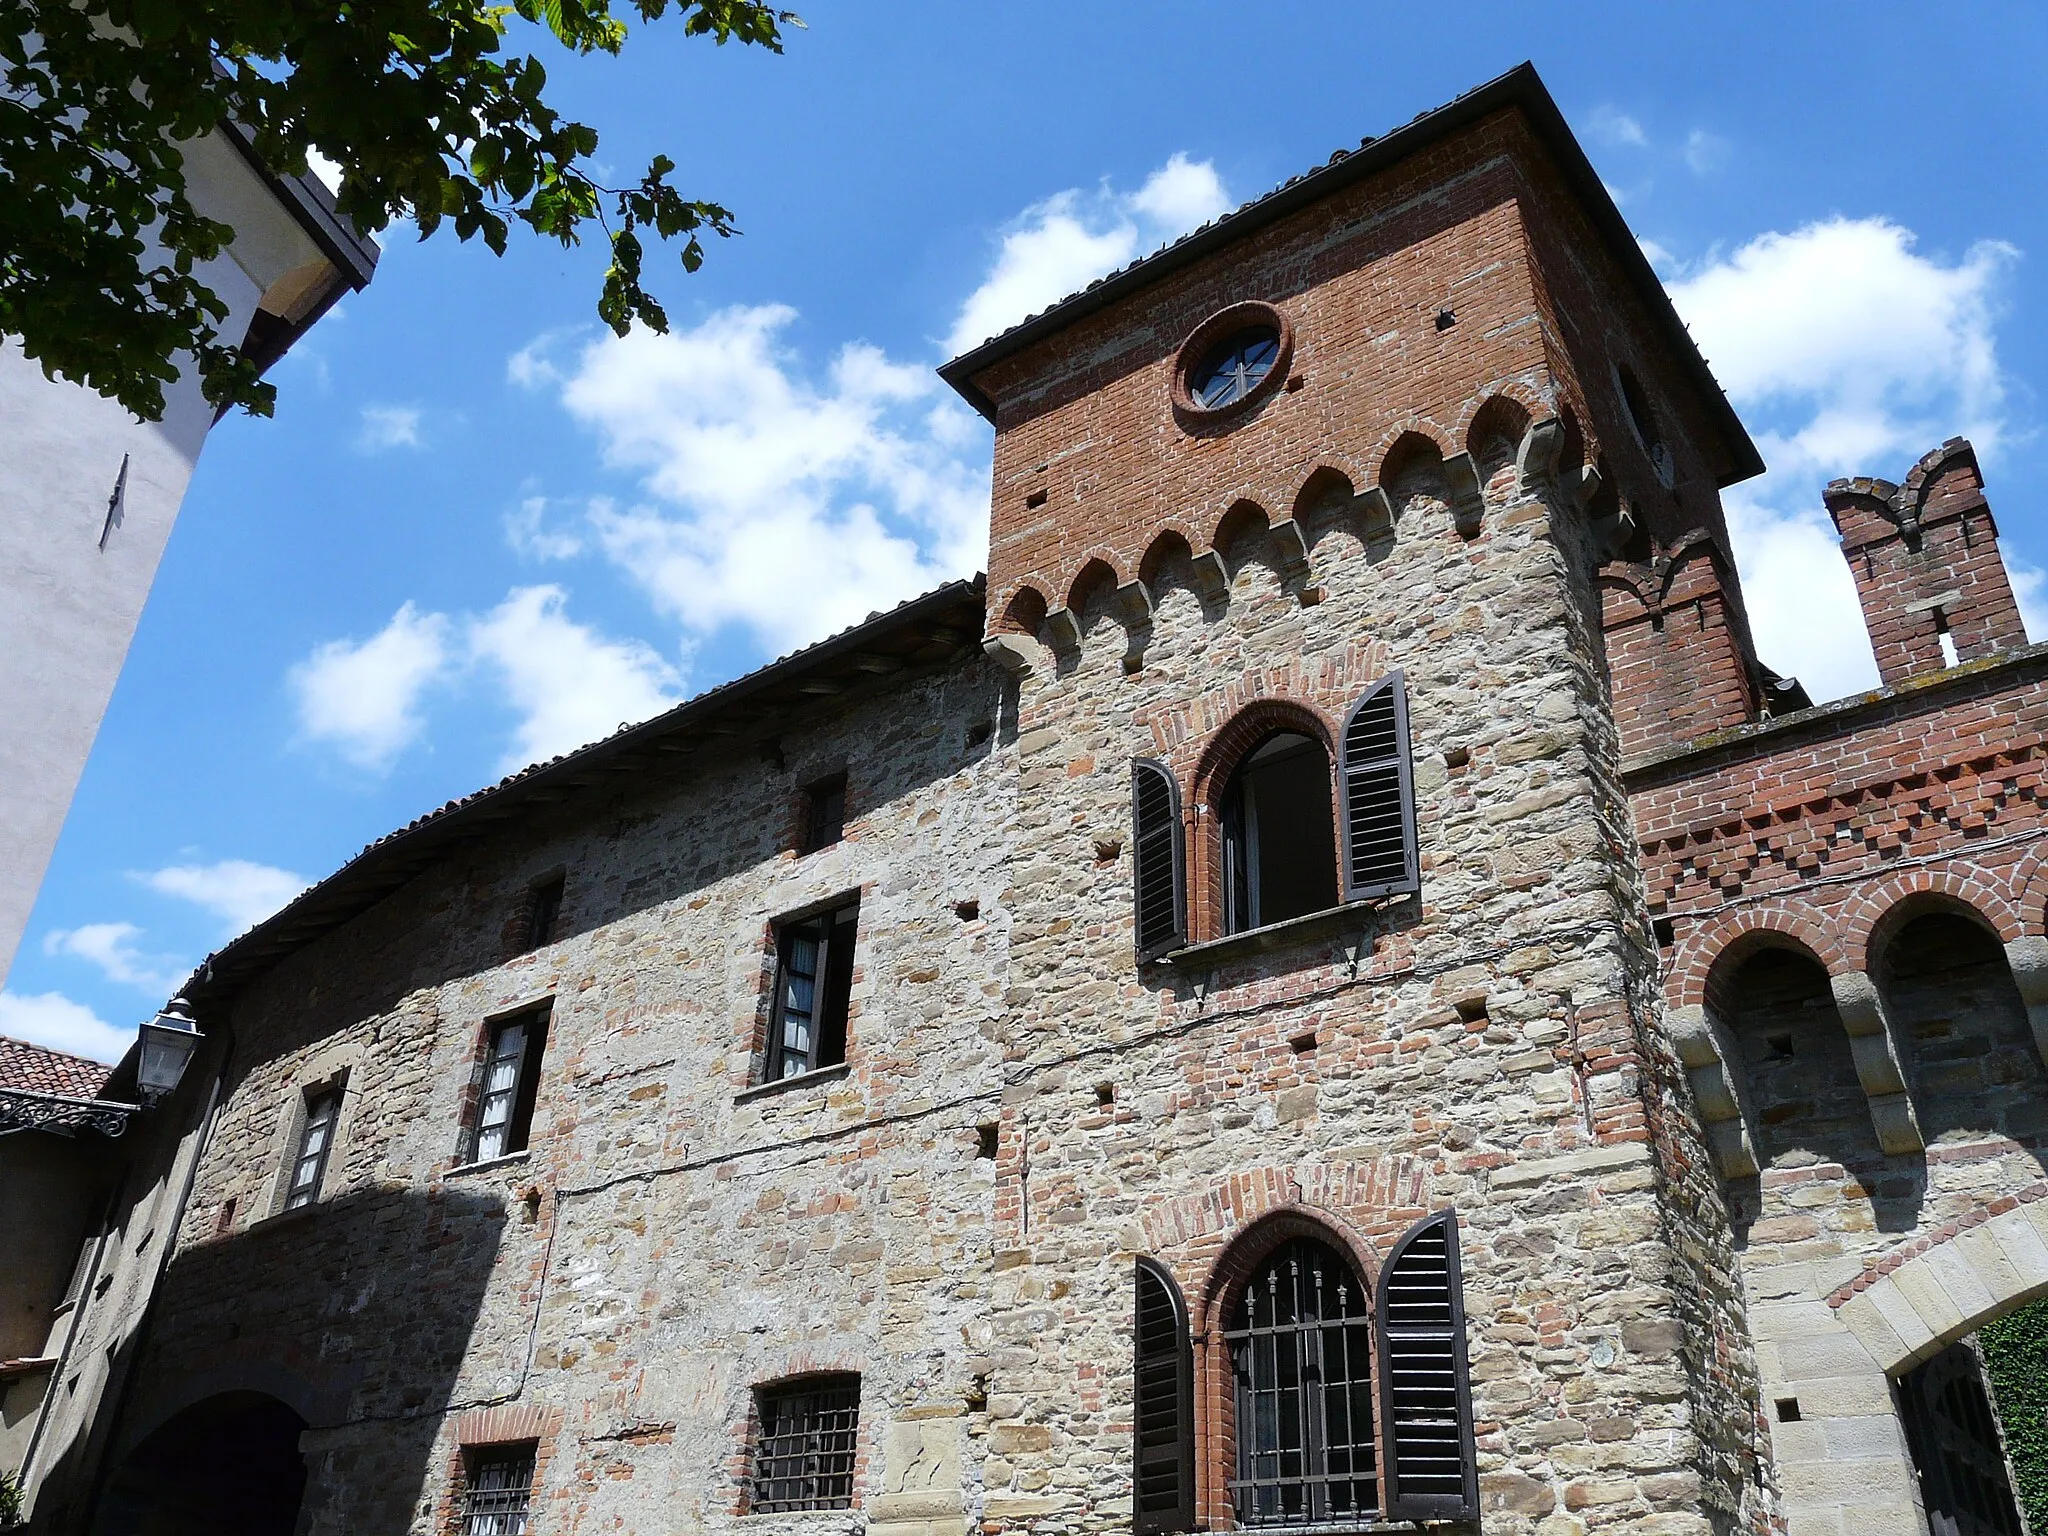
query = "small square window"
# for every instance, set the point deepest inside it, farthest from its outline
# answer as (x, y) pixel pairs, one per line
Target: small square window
(546, 915)
(824, 813)
(316, 1141)
(504, 1112)
(804, 1458)
(813, 979)
(497, 1490)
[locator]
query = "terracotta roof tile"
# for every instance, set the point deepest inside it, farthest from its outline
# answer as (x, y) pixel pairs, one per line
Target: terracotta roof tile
(33, 1069)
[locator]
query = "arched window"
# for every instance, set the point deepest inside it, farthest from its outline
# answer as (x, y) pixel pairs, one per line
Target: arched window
(1301, 1356)
(1279, 848)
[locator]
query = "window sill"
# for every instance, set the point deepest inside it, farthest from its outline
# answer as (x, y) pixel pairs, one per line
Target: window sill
(509, 1160)
(1348, 918)
(285, 1217)
(838, 1069)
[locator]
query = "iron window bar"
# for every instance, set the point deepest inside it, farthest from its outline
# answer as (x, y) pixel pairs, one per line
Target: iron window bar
(499, 1494)
(1302, 1357)
(805, 1455)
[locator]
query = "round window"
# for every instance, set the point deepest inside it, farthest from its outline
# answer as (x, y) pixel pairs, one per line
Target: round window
(1235, 358)
(1234, 367)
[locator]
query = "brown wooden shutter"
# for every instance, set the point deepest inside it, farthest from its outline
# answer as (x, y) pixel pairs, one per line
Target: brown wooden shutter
(1163, 1407)
(1158, 884)
(1378, 795)
(1425, 1390)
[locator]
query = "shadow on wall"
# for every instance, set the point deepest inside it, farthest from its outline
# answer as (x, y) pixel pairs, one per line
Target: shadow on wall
(1968, 1056)
(353, 1314)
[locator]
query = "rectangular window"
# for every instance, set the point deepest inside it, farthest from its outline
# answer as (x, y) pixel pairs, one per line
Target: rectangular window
(81, 1270)
(813, 977)
(547, 913)
(504, 1112)
(824, 813)
(497, 1490)
(805, 1456)
(316, 1138)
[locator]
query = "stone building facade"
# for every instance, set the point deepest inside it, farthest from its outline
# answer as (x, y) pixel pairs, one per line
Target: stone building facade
(1346, 841)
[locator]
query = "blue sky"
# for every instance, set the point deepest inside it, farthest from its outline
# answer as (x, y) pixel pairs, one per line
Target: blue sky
(477, 532)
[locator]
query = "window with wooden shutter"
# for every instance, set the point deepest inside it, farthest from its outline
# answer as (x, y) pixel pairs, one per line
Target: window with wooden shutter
(1158, 884)
(1163, 1407)
(1379, 795)
(1426, 1393)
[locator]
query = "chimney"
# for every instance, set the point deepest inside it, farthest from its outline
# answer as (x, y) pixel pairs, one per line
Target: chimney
(1925, 557)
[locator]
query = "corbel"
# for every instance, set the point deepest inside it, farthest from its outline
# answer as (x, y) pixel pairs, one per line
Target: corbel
(1210, 577)
(1064, 626)
(1015, 654)
(1874, 1048)
(1292, 545)
(1714, 1068)
(1468, 501)
(2028, 958)
(1611, 534)
(1377, 512)
(1536, 457)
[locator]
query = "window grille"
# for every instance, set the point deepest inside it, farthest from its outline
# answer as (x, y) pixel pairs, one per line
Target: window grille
(1158, 883)
(824, 813)
(547, 913)
(1163, 1407)
(1302, 1355)
(805, 1455)
(1431, 1470)
(813, 980)
(1379, 796)
(316, 1139)
(511, 1072)
(498, 1492)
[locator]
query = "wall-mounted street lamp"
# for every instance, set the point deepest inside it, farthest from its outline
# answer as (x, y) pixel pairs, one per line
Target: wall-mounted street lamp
(169, 1042)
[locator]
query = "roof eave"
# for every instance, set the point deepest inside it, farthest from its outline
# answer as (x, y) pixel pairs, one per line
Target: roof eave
(1521, 87)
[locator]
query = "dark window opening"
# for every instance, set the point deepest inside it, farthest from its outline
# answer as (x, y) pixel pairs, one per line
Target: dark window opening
(87, 1260)
(497, 1490)
(316, 1140)
(986, 1140)
(1644, 420)
(547, 913)
(1957, 1448)
(804, 1458)
(1301, 1352)
(1234, 367)
(813, 978)
(1279, 848)
(824, 813)
(504, 1114)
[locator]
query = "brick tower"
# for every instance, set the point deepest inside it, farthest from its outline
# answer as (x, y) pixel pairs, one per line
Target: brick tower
(1307, 535)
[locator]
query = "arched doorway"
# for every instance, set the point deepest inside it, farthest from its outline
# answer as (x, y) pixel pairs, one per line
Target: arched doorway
(229, 1465)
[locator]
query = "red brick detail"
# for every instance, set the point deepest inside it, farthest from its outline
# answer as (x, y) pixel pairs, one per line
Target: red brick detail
(1877, 912)
(1876, 1267)
(1677, 666)
(1727, 940)
(2027, 890)
(1925, 555)
(1508, 407)
(507, 1424)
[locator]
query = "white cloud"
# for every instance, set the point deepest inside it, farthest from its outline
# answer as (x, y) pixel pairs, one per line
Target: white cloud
(529, 535)
(54, 1021)
(363, 698)
(239, 892)
(790, 505)
(1848, 352)
(570, 685)
(1706, 152)
(389, 426)
(1061, 244)
(1614, 127)
(111, 949)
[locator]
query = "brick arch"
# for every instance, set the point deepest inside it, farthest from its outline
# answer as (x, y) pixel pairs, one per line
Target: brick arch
(1021, 610)
(1705, 953)
(1323, 482)
(274, 1367)
(1533, 402)
(1874, 917)
(2026, 889)
(1237, 518)
(1945, 1284)
(1502, 416)
(1219, 759)
(1408, 427)
(1176, 537)
(1097, 568)
(1418, 441)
